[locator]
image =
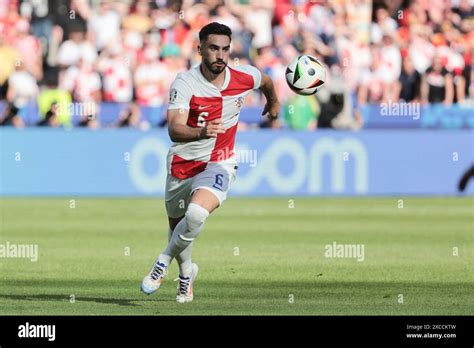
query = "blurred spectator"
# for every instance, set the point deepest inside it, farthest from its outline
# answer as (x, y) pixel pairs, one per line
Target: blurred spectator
(22, 87)
(437, 84)
(116, 74)
(286, 54)
(452, 59)
(330, 110)
(225, 16)
(257, 15)
(51, 94)
(140, 19)
(384, 25)
(322, 24)
(89, 121)
(373, 87)
(38, 13)
(131, 117)
(333, 103)
(355, 57)
(358, 15)
(151, 78)
(408, 86)
(9, 58)
(469, 73)
(465, 9)
(165, 17)
(72, 50)
(9, 17)
(129, 46)
(420, 49)
(79, 12)
(51, 117)
(104, 25)
(11, 117)
(301, 112)
(391, 64)
(29, 48)
(82, 82)
(173, 63)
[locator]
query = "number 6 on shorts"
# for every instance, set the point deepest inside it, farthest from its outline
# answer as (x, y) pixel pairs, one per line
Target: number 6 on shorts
(218, 184)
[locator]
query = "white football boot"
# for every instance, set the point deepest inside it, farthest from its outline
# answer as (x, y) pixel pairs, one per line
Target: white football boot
(185, 286)
(153, 280)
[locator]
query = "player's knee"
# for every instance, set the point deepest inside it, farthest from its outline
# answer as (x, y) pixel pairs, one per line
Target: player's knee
(195, 218)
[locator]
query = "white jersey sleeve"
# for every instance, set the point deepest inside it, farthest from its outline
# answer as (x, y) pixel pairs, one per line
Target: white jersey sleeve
(253, 71)
(180, 94)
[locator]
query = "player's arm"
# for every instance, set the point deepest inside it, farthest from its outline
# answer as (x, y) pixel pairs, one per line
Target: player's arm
(272, 107)
(180, 132)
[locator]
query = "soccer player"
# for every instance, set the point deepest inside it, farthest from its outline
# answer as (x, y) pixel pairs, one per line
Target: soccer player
(203, 112)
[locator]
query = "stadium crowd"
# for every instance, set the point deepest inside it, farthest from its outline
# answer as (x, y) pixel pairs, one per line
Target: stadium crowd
(55, 52)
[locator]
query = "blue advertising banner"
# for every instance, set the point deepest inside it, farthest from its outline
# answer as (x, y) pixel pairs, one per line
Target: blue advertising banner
(413, 115)
(125, 162)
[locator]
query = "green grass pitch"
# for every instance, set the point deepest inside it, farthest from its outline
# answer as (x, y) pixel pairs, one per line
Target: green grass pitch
(256, 256)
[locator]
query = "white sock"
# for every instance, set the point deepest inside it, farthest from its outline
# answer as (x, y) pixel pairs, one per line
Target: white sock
(184, 261)
(165, 259)
(184, 258)
(186, 230)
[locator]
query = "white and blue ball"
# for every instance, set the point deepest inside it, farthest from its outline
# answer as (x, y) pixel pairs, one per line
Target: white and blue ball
(305, 75)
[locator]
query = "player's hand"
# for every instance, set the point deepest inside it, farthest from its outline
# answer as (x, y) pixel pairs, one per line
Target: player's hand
(272, 110)
(212, 129)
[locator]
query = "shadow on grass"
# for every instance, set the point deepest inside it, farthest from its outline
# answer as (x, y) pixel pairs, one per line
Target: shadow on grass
(49, 289)
(56, 297)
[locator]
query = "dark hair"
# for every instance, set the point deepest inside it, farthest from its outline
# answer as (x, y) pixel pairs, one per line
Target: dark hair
(216, 29)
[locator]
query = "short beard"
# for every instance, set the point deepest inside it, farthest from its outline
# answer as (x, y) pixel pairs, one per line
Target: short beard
(215, 70)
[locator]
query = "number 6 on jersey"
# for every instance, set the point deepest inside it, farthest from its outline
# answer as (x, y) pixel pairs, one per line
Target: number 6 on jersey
(201, 122)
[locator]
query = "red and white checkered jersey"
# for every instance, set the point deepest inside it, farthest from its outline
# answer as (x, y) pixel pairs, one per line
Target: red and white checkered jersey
(205, 102)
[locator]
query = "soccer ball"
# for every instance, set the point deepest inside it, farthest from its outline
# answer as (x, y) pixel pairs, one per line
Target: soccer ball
(305, 75)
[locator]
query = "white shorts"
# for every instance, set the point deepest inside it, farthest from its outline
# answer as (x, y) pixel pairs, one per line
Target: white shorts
(217, 178)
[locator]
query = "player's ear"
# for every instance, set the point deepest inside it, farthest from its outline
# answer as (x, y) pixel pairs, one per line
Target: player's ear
(199, 50)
